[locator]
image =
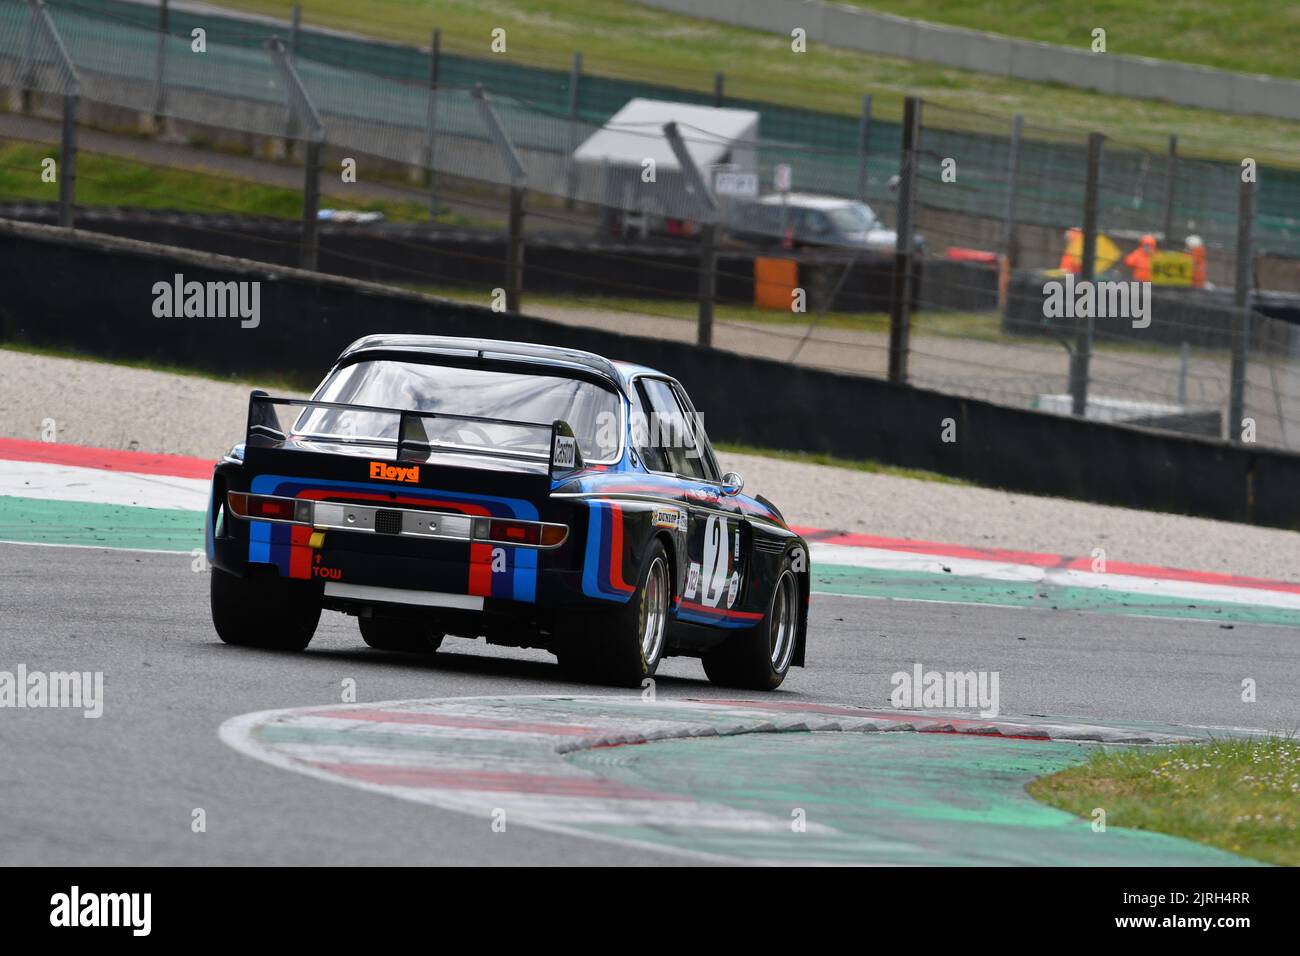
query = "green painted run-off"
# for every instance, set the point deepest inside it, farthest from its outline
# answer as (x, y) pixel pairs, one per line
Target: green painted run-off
(890, 798)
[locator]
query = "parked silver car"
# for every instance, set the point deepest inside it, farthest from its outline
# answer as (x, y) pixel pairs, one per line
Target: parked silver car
(799, 220)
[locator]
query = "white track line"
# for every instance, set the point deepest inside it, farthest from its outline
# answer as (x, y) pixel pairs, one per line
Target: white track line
(37, 479)
(938, 565)
(198, 546)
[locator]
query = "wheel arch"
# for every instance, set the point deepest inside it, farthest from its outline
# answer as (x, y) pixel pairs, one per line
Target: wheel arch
(674, 559)
(804, 580)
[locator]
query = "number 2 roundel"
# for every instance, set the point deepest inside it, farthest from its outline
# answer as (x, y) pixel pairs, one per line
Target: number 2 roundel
(715, 569)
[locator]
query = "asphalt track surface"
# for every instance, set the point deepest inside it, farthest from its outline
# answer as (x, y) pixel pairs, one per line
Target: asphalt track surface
(122, 788)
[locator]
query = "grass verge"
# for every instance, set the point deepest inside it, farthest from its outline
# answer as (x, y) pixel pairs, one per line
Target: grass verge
(1240, 36)
(104, 180)
(1240, 795)
(972, 325)
(623, 39)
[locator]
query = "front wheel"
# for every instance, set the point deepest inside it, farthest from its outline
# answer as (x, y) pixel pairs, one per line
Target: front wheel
(759, 658)
(625, 646)
(268, 612)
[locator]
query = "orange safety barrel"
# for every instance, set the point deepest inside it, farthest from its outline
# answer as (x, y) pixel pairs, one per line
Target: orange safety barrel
(774, 282)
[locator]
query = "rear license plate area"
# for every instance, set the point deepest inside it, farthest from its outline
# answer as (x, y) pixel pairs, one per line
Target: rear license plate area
(388, 522)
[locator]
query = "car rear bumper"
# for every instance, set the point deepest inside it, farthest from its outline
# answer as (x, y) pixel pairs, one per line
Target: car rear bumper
(463, 578)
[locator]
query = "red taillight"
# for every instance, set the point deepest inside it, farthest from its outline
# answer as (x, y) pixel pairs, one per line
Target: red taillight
(515, 532)
(528, 533)
(272, 508)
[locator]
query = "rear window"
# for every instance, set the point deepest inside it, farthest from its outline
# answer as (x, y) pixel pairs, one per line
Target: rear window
(591, 410)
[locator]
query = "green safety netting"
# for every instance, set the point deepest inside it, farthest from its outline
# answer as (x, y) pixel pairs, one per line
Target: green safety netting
(375, 95)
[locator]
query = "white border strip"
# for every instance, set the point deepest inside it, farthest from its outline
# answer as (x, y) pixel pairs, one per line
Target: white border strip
(369, 592)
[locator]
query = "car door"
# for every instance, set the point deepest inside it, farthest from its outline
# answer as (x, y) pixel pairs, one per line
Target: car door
(715, 548)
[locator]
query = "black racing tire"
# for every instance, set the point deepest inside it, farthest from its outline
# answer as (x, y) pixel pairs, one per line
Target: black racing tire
(267, 612)
(623, 646)
(758, 658)
(396, 634)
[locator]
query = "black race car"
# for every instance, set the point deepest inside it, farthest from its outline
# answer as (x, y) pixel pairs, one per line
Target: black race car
(535, 496)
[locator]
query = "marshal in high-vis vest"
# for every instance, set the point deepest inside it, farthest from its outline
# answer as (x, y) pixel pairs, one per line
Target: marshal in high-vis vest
(530, 495)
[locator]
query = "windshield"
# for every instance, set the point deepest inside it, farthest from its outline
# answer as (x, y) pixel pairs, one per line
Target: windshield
(591, 410)
(857, 217)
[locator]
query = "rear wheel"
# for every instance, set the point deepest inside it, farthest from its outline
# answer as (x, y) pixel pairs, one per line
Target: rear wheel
(269, 612)
(395, 634)
(625, 646)
(759, 658)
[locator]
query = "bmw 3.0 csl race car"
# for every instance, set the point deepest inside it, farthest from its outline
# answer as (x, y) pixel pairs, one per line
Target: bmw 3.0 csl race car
(534, 496)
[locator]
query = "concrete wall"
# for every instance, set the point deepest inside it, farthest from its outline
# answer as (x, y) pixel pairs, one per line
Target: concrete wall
(93, 294)
(1115, 74)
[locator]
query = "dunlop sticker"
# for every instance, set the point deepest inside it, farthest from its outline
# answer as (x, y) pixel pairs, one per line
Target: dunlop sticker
(668, 518)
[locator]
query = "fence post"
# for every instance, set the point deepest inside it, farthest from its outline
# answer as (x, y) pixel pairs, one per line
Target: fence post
(864, 137)
(570, 167)
(719, 82)
(1171, 189)
(40, 21)
(295, 21)
(311, 206)
(1184, 361)
(291, 131)
(707, 219)
(518, 179)
(1010, 239)
(708, 289)
(302, 108)
(515, 250)
(900, 306)
(1241, 301)
(160, 66)
(29, 61)
(431, 119)
(68, 149)
(1081, 357)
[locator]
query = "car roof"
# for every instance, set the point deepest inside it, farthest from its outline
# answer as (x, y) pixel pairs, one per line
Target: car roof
(630, 370)
(617, 373)
(807, 200)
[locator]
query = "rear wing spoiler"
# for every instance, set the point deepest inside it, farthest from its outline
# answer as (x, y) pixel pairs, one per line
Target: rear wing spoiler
(263, 422)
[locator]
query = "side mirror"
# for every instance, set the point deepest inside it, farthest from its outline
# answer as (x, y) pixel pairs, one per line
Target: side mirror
(732, 484)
